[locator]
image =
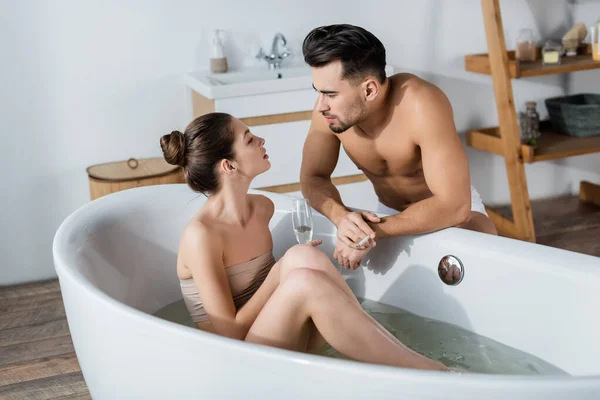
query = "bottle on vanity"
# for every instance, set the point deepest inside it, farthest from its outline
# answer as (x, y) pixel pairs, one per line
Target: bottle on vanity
(218, 61)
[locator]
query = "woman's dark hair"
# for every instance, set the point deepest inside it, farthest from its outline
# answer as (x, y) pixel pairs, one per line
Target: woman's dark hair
(360, 52)
(207, 140)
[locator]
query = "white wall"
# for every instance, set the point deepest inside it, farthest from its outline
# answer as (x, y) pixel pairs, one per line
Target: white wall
(432, 37)
(90, 82)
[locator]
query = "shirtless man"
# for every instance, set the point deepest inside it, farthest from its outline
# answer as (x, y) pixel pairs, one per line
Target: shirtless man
(399, 131)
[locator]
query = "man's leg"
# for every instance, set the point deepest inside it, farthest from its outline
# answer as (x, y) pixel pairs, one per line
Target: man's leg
(480, 223)
(479, 220)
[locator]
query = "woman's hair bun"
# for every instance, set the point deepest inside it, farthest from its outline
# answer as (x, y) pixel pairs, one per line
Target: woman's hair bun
(173, 147)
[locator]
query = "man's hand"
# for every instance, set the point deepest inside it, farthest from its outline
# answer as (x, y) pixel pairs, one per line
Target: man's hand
(353, 228)
(349, 257)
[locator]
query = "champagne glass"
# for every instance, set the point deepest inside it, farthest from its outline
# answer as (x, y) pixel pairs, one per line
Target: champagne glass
(302, 220)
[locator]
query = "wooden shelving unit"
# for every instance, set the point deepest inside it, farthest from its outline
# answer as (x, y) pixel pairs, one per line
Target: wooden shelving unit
(480, 63)
(505, 140)
(551, 145)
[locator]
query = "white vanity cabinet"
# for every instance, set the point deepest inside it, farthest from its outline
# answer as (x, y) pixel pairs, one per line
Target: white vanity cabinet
(284, 143)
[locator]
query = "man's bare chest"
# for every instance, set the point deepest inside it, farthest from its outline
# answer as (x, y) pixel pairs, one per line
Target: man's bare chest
(386, 155)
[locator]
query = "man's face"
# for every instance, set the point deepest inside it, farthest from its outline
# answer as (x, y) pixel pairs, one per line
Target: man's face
(340, 101)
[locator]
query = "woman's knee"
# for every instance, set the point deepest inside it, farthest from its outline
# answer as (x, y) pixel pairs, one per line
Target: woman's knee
(305, 282)
(302, 251)
(305, 256)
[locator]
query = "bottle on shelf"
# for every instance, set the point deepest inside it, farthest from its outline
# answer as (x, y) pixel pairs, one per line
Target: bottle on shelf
(529, 122)
(595, 40)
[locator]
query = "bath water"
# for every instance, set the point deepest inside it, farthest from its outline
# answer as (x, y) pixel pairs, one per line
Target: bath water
(449, 344)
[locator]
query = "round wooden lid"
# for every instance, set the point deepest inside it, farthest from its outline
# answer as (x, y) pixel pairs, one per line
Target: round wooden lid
(131, 169)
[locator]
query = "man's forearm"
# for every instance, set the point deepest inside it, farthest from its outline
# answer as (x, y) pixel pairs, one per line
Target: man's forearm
(425, 216)
(324, 197)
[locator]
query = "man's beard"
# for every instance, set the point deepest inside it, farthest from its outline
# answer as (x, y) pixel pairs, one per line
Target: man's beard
(344, 126)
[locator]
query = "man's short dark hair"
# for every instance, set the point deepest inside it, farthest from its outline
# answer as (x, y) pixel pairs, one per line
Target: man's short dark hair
(360, 52)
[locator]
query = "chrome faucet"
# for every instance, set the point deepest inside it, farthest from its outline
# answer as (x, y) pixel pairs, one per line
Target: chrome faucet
(276, 57)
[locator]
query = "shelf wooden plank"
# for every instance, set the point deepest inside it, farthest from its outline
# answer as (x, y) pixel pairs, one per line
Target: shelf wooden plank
(551, 145)
(568, 64)
(480, 63)
(487, 139)
(504, 226)
(589, 192)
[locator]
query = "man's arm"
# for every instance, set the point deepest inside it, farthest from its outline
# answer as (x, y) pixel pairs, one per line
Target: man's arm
(445, 167)
(319, 159)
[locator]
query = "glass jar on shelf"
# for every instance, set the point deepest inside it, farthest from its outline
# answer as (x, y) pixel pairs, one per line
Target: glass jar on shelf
(529, 124)
(526, 50)
(551, 53)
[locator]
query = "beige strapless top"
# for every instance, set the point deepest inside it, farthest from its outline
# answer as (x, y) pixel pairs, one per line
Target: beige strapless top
(244, 280)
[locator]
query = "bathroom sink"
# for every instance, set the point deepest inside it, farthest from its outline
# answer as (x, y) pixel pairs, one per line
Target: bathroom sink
(252, 81)
(257, 75)
(249, 81)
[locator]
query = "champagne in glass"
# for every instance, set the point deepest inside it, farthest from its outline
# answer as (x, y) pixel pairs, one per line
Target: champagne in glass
(302, 220)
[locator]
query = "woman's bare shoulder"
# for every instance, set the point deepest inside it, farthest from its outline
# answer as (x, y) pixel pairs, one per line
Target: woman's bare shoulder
(263, 205)
(201, 245)
(202, 226)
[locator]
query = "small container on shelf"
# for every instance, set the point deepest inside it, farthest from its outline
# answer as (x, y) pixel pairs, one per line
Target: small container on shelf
(595, 40)
(525, 50)
(551, 53)
(573, 38)
(529, 122)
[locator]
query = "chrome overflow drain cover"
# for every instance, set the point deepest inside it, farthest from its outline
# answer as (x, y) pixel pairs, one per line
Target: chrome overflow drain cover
(451, 270)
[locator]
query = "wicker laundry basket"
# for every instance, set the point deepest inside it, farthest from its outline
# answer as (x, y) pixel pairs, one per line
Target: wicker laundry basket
(121, 175)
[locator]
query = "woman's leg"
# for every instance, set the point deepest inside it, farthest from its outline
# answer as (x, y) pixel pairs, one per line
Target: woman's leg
(310, 256)
(305, 256)
(309, 296)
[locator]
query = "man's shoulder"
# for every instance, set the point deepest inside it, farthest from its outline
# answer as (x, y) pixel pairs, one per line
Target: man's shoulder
(419, 104)
(410, 88)
(405, 78)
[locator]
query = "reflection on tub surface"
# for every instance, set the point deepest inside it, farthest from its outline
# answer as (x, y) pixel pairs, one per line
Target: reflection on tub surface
(449, 344)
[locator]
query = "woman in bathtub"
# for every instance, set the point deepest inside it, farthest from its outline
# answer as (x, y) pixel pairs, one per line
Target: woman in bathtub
(230, 281)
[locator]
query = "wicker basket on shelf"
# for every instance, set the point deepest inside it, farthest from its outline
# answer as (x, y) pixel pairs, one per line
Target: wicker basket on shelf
(576, 115)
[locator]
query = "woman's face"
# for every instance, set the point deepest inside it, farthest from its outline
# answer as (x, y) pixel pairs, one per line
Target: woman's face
(250, 153)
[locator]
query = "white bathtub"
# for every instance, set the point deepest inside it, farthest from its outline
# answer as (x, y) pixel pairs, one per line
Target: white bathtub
(115, 258)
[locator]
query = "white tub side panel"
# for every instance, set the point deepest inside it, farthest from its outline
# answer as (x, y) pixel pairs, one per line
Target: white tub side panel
(521, 298)
(124, 356)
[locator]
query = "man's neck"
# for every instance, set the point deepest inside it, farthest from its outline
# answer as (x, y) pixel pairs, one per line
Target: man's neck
(377, 116)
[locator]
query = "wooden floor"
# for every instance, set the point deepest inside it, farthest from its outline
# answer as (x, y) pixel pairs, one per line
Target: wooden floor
(37, 359)
(566, 223)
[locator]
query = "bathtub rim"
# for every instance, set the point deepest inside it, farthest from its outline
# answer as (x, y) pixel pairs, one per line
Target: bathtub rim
(72, 276)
